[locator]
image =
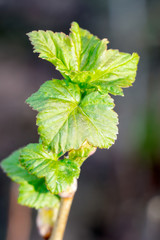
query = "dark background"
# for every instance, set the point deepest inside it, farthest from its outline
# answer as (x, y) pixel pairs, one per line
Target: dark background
(119, 189)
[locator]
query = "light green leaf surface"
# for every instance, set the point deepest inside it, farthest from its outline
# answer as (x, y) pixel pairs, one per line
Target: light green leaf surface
(106, 70)
(55, 48)
(88, 48)
(66, 120)
(81, 154)
(36, 195)
(14, 170)
(117, 71)
(32, 191)
(58, 173)
(84, 58)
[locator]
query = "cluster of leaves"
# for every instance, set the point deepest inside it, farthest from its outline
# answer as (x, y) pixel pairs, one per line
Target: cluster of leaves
(75, 114)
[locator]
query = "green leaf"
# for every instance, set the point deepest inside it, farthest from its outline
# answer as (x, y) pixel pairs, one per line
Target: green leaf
(36, 195)
(58, 173)
(80, 155)
(55, 94)
(32, 191)
(66, 120)
(89, 49)
(106, 70)
(84, 58)
(117, 71)
(14, 170)
(55, 48)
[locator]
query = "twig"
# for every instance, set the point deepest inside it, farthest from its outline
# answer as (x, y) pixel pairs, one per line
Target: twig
(66, 202)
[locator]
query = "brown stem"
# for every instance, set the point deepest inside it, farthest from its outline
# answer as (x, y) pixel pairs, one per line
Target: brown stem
(66, 202)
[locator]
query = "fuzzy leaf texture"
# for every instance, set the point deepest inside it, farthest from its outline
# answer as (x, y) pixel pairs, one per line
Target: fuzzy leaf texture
(66, 120)
(32, 190)
(58, 173)
(84, 59)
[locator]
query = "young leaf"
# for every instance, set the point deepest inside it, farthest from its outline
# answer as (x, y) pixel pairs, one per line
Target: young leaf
(32, 191)
(57, 93)
(14, 170)
(36, 195)
(80, 155)
(55, 48)
(58, 173)
(84, 58)
(88, 48)
(99, 65)
(66, 120)
(117, 71)
(106, 70)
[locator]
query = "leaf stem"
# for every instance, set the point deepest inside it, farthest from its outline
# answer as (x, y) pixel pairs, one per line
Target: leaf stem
(61, 222)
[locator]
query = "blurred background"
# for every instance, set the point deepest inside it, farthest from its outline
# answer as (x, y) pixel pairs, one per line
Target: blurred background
(119, 189)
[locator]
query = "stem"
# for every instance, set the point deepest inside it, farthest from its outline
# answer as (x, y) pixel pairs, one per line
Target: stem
(62, 218)
(61, 222)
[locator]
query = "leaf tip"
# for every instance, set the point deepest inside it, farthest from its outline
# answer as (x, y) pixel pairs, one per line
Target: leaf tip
(74, 24)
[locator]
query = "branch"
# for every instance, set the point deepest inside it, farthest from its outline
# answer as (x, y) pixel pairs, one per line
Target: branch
(66, 202)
